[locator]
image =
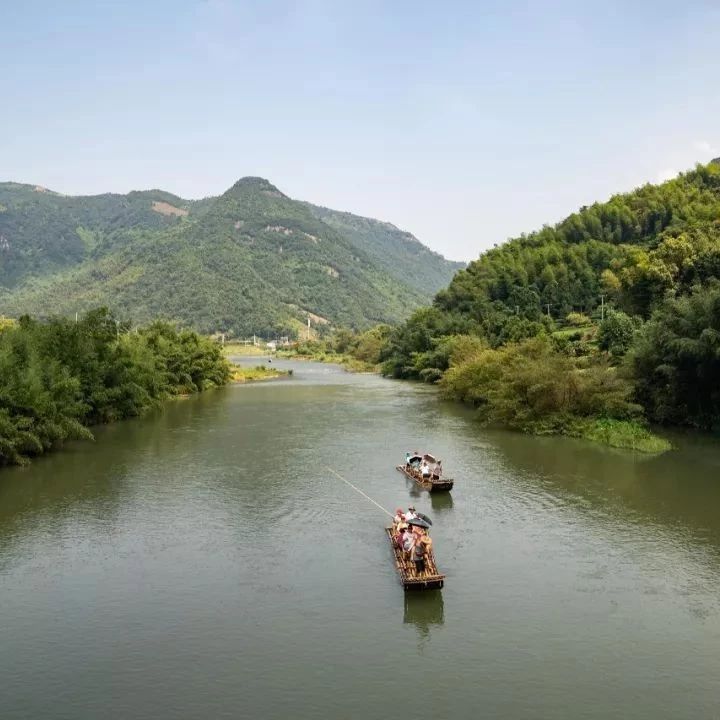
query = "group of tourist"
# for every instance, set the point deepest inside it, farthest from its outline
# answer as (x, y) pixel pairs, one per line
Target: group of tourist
(413, 540)
(422, 464)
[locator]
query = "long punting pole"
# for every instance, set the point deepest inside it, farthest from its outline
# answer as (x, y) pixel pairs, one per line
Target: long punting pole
(367, 497)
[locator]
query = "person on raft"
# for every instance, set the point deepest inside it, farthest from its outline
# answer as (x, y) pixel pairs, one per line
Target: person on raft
(421, 546)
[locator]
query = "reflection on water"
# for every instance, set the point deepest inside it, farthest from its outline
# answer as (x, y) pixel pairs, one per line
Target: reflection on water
(441, 501)
(423, 610)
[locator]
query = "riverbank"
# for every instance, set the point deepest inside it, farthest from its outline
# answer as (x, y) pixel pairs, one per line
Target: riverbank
(347, 362)
(627, 434)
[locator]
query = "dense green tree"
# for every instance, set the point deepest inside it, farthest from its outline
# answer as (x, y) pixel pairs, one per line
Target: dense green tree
(617, 333)
(676, 360)
(58, 377)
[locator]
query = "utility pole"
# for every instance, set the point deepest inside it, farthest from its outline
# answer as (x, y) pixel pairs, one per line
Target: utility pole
(308, 335)
(602, 308)
(517, 309)
(548, 309)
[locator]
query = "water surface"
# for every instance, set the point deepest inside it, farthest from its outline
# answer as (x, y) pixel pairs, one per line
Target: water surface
(203, 562)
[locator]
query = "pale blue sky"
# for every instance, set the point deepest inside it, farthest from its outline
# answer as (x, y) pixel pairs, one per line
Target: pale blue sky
(463, 122)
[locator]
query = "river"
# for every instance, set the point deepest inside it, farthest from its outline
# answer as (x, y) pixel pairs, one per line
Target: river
(203, 562)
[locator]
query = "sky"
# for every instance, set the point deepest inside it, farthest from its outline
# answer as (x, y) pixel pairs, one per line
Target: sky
(463, 122)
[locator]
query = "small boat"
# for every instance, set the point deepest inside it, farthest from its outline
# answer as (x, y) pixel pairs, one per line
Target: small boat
(431, 579)
(432, 483)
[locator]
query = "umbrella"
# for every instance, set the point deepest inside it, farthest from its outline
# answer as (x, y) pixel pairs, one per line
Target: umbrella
(419, 522)
(424, 517)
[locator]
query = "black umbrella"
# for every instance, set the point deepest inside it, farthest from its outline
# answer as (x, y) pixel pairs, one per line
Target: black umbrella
(423, 517)
(419, 522)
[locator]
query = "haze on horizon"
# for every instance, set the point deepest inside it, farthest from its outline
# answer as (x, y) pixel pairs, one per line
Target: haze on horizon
(464, 124)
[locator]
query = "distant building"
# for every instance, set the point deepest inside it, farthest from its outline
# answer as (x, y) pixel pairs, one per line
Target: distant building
(272, 345)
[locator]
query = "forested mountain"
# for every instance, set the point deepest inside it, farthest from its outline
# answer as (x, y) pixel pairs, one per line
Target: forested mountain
(400, 253)
(614, 311)
(251, 260)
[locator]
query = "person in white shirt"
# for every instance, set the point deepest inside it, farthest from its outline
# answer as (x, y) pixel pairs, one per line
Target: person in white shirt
(408, 540)
(410, 514)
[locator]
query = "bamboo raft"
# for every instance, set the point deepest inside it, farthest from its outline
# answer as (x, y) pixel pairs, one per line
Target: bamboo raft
(431, 579)
(431, 484)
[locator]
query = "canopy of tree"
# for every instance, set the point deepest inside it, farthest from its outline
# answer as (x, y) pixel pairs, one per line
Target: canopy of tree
(249, 261)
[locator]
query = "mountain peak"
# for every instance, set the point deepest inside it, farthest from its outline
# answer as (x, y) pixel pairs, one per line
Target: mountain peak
(254, 184)
(716, 161)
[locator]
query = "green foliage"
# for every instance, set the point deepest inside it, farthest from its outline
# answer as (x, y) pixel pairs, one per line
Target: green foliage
(623, 434)
(577, 319)
(617, 333)
(529, 386)
(58, 377)
(676, 360)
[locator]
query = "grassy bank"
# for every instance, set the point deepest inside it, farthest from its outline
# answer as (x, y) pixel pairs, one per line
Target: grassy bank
(240, 374)
(624, 434)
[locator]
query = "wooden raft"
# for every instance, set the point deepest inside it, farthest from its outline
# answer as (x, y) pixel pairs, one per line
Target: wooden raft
(431, 484)
(431, 579)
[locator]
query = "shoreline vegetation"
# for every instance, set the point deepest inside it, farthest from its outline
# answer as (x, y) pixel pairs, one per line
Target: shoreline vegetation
(628, 431)
(60, 377)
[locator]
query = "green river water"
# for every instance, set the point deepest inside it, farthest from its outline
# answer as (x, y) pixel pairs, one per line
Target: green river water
(203, 562)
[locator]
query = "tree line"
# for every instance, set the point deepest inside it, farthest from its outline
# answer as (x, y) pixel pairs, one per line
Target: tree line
(60, 377)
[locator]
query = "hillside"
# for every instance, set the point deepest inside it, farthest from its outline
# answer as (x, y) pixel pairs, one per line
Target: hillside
(42, 231)
(400, 253)
(628, 253)
(631, 250)
(251, 260)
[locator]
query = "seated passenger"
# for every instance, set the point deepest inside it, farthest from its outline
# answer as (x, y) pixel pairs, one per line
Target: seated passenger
(410, 514)
(398, 518)
(400, 535)
(425, 470)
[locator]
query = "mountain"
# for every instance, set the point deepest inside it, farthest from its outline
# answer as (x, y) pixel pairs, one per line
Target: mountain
(251, 260)
(400, 253)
